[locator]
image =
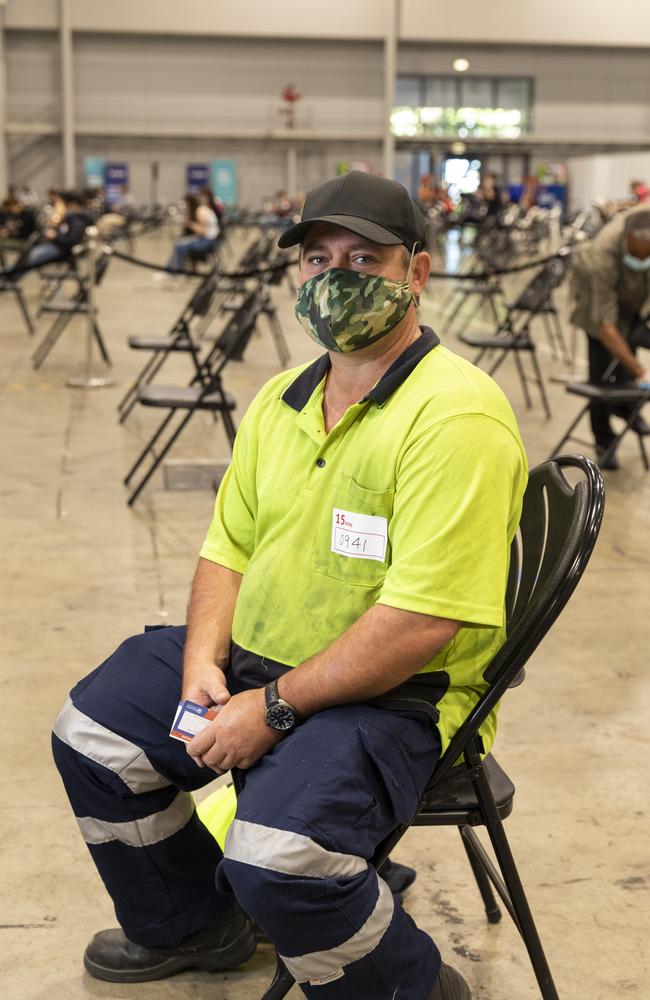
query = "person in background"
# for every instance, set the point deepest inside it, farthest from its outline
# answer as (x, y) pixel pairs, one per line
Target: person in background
(640, 192)
(490, 194)
(58, 240)
(54, 207)
(610, 285)
(203, 226)
(124, 204)
(215, 203)
(17, 224)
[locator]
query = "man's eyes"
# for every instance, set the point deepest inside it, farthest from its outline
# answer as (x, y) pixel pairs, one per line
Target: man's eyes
(362, 259)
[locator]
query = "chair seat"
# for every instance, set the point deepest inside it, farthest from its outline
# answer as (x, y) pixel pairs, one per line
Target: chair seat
(506, 343)
(65, 307)
(184, 398)
(454, 801)
(160, 343)
(608, 394)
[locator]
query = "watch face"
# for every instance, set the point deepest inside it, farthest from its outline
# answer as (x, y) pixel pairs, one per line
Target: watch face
(281, 717)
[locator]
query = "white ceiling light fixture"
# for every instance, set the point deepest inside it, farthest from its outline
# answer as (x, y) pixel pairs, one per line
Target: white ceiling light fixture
(461, 65)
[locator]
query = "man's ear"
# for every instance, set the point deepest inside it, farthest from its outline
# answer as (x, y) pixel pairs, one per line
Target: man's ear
(420, 272)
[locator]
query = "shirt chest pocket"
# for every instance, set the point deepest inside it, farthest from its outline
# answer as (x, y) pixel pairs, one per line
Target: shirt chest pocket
(349, 544)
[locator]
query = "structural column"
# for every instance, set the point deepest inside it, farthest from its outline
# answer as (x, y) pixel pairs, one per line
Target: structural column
(4, 157)
(292, 170)
(390, 74)
(67, 93)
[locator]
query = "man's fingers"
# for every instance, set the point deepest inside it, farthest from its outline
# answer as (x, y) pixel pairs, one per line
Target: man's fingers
(202, 742)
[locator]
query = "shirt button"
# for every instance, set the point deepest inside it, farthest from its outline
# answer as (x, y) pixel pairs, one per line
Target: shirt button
(320, 462)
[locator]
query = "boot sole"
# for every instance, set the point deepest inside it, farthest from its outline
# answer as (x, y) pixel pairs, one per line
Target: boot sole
(236, 953)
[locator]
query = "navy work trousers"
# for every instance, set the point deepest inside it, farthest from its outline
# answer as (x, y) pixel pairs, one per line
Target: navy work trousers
(309, 817)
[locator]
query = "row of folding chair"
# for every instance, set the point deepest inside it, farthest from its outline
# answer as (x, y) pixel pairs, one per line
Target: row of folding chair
(512, 334)
(216, 295)
(205, 392)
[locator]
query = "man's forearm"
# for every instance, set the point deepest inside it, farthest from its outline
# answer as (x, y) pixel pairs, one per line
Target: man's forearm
(210, 614)
(381, 650)
(617, 345)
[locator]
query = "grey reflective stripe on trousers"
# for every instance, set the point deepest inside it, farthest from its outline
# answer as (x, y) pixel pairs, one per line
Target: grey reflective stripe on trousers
(286, 852)
(325, 965)
(128, 761)
(140, 832)
(294, 854)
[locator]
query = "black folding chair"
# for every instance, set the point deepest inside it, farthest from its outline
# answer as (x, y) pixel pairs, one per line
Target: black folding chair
(10, 281)
(185, 337)
(65, 311)
(205, 392)
(513, 334)
(556, 536)
(616, 390)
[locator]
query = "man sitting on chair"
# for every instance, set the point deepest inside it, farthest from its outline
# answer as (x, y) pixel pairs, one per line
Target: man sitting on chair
(610, 283)
(350, 593)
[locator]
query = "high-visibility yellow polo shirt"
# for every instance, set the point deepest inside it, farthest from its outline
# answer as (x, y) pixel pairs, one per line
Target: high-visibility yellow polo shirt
(412, 500)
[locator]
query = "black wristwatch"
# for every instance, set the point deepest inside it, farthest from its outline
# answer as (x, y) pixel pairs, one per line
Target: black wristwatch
(280, 715)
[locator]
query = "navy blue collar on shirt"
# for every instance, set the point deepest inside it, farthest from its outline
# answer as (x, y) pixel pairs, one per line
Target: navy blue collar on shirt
(298, 394)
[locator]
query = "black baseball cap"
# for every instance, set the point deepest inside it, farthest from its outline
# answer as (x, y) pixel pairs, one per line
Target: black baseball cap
(378, 209)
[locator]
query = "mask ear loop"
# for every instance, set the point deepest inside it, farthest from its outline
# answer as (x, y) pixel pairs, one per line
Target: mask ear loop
(408, 270)
(416, 298)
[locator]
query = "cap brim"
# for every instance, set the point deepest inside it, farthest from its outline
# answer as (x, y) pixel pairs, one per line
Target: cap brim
(362, 227)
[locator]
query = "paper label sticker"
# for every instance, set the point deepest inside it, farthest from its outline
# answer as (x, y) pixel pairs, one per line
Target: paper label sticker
(359, 536)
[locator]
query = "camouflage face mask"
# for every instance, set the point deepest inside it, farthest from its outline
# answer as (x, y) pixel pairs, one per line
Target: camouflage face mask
(346, 311)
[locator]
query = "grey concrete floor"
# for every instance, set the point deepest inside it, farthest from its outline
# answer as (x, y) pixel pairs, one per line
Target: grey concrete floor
(81, 571)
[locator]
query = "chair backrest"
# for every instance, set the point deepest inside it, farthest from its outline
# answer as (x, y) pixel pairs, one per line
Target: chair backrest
(556, 536)
(535, 294)
(202, 296)
(232, 341)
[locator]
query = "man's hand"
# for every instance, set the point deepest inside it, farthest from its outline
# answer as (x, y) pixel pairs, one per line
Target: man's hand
(238, 737)
(205, 684)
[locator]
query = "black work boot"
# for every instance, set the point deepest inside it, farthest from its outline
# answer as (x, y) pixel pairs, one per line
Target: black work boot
(227, 942)
(610, 464)
(398, 877)
(450, 985)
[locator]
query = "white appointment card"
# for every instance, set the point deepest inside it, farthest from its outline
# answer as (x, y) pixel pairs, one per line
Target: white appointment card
(360, 536)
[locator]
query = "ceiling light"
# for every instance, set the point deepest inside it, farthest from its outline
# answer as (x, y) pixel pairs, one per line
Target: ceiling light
(460, 65)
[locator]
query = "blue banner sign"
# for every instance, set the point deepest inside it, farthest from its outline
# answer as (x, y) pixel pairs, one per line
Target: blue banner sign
(197, 176)
(94, 171)
(117, 177)
(224, 180)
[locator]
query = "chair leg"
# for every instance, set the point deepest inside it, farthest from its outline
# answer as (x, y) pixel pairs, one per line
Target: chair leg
(569, 432)
(540, 383)
(148, 448)
(130, 397)
(158, 458)
(526, 924)
(49, 340)
(283, 981)
(103, 350)
(492, 910)
(22, 305)
(522, 378)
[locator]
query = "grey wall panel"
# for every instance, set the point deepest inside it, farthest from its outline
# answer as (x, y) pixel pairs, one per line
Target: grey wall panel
(555, 22)
(35, 161)
(214, 82)
(33, 76)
